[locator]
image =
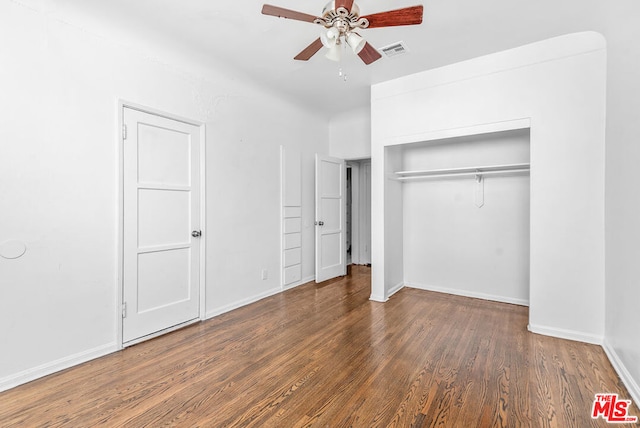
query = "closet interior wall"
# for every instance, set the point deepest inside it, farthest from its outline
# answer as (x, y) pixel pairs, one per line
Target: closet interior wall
(462, 235)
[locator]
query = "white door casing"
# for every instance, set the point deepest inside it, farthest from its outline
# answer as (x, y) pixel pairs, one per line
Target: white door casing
(330, 221)
(161, 258)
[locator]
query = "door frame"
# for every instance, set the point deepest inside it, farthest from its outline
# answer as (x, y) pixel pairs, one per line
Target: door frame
(121, 105)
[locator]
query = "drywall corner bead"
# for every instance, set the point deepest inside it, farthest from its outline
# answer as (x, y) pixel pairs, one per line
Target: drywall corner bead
(12, 249)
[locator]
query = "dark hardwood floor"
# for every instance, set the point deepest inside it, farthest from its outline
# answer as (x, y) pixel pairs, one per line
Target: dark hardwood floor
(324, 355)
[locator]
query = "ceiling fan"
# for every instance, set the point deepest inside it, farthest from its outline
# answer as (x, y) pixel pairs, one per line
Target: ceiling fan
(340, 19)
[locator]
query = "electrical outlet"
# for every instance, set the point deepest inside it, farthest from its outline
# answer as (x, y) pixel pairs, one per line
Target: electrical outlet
(265, 274)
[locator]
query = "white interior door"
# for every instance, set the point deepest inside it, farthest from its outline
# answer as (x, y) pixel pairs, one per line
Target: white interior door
(330, 218)
(161, 224)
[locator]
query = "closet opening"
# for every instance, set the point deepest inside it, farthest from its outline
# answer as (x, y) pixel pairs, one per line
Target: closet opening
(466, 214)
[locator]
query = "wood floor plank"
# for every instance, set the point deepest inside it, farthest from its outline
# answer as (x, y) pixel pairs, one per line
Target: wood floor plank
(325, 355)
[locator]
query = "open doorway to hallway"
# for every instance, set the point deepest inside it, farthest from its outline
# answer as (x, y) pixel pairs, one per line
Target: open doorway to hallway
(358, 212)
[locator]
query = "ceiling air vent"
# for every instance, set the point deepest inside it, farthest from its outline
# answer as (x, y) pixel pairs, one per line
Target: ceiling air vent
(394, 49)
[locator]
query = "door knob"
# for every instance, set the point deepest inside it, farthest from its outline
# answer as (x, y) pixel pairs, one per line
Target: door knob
(196, 233)
(319, 223)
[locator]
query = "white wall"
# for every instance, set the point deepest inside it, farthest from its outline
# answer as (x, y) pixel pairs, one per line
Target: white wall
(350, 134)
(452, 245)
(243, 179)
(559, 85)
(59, 173)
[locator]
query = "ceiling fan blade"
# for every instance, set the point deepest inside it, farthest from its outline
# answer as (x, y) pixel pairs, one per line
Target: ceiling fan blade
(347, 4)
(281, 12)
(406, 16)
(369, 54)
(309, 51)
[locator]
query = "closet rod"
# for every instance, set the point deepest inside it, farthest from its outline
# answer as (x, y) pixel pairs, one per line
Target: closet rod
(469, 169)
(462, 174)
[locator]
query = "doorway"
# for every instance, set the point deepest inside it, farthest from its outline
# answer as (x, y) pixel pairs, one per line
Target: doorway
(359, 212)
(343, 215)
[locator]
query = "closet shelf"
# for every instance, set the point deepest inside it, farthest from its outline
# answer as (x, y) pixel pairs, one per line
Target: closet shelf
(471, 171)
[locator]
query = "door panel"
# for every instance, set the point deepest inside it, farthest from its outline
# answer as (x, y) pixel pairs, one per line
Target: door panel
(165, 157)
(164, 217)
(161, 209)
(330, 218)
(331, 254)
(331, 214)
(332, 178)
(163, 278)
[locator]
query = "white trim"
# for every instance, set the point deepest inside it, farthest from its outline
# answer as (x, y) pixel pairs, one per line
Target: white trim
(244, 302)
(161, 113)
(621, 369)
(393, 290)
(121, 105)
(120, 215)
(303, 281)
(203, 222)
(378, 298)
(465, 293)
(561, 333)
(55, 366)
(161, 332)
(282, 209)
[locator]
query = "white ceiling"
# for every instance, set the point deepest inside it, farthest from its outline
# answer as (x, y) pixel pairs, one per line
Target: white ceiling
(235, 34)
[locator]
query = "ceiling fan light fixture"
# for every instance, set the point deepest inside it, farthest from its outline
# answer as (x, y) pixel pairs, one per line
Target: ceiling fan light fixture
(355, 42)
(334, 53)
(330, 37)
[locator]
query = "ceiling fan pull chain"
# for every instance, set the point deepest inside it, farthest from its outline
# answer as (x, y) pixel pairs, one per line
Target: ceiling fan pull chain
(342, 74)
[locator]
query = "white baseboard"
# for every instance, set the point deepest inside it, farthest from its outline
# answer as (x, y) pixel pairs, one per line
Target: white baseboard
(395, 289)
(560, 333)
(465, 293)
(303, 281)
(377, 298)
(244, 302)
(621, 369)
(55, 366)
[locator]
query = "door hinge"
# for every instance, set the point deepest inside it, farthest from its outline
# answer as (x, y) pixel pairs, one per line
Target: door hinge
(124, 132)
(124, 310)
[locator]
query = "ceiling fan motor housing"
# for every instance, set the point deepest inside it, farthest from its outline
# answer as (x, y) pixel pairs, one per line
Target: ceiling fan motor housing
(331, 7)
(341, 18)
